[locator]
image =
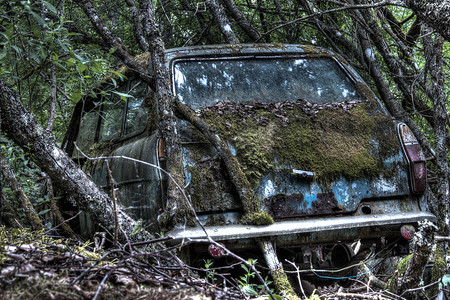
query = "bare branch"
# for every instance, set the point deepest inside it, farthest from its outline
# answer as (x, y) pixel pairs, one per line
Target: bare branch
(221, 18)
(345, 6)
(138, 30)
(113, 43)
(241, 20)
(51, 117)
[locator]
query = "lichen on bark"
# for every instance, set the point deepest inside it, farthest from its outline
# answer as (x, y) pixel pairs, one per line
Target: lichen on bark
(282, 284)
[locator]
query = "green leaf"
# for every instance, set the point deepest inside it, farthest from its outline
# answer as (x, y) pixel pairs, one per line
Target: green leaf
(81, 68)
(137, 227)
(43, 212)
(59, 65)
(81, 59)
(76, 96)
(97, 67)
(120, 75)
(63, 45)
(249, 290)
(123, 95)
(114, 82)
(2, 54)
(244, 267)
(50, 7)
(17, 49)
(70, 62)
(38, 18)
(6, 38)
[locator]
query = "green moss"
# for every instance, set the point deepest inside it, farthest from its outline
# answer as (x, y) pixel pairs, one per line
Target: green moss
(331, 143)
(339, 139)
(209, 186)
(438, 270)
(282, 284)
(401, 269)
(39, 240)
(254, 147)
(257, 218)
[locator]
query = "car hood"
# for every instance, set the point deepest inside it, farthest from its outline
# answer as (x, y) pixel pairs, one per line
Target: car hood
(301, 158)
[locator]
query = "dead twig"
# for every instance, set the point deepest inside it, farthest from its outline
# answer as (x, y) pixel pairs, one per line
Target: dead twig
(228, 252)
(113, 198)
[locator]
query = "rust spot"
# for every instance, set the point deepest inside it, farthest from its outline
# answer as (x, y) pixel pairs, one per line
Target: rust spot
(161, 148)
(283, 206)
(326, 203)
(289, 206)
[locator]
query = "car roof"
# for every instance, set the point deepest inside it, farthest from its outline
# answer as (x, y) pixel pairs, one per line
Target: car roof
(242, 49)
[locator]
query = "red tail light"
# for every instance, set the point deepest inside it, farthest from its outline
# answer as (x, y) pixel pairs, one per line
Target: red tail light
(215, 251)
(416, 159)
(407, 231)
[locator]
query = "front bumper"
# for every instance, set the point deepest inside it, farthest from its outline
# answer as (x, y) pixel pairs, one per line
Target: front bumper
(291, 228)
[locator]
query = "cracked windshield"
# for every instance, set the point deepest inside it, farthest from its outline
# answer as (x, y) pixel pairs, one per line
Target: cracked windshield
(201, 83)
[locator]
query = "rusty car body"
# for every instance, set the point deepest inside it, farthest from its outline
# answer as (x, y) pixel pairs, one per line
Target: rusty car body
(326, 160)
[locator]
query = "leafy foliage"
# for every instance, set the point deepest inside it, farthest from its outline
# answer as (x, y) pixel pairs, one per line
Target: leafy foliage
(37, 50)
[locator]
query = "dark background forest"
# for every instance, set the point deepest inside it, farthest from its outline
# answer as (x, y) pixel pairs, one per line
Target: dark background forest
(53, 54)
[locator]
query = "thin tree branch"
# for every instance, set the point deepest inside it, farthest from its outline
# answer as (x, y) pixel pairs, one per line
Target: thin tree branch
(138, 29)
(345, 7)
(241, 20)
(21, 197)
(113, 43)
(51, 117)
(221, 18)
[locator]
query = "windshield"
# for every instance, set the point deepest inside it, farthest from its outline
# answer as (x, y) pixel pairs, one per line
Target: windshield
(201, 83)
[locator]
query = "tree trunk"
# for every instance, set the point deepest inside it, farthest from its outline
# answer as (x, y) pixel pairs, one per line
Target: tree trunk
(421, 253)
(221, 18)
(20, 126)
(55, 210)
(242, 21)
(436, 13)
(21, 198)
(434, 57)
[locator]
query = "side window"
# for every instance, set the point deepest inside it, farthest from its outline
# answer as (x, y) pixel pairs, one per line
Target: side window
(111, 118)
(87, 132)
(136, 118)
(121, 117)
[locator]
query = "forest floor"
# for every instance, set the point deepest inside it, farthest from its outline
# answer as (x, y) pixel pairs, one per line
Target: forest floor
(36, 266)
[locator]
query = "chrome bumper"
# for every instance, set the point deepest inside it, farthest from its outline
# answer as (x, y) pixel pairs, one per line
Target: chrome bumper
(237, 232)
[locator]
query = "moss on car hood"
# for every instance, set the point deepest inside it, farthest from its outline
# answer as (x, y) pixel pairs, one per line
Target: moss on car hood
(352, 139)
(349, 139)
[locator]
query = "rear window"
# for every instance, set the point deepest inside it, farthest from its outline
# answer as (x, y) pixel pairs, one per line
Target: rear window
(203, 82)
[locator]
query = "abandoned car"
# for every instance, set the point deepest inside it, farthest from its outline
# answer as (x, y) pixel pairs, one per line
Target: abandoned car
(325, 160)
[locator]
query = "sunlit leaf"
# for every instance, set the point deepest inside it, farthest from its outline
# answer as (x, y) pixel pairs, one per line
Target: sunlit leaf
(137, 227)
(43, 212)
(50, 7)
(76, 96)
(124, 96)
(120, 75)
(37, 18)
